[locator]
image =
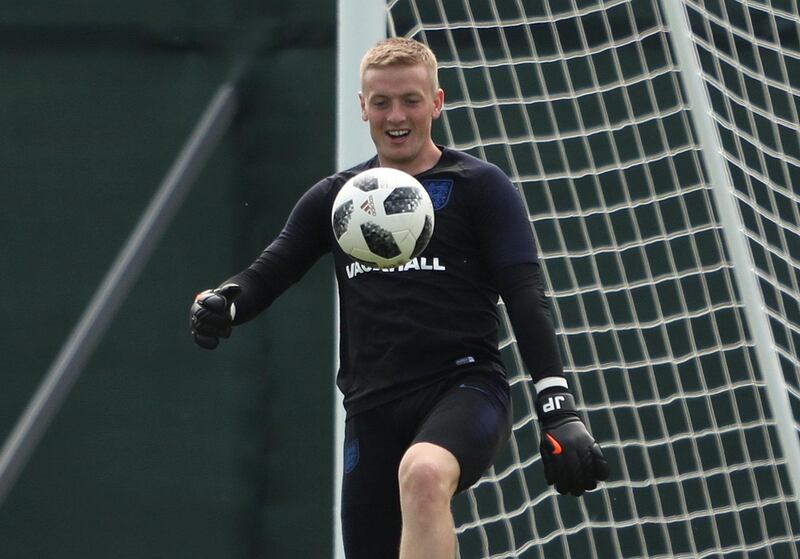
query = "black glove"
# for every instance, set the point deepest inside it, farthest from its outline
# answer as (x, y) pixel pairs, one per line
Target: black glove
(212, 316)
(572, 459)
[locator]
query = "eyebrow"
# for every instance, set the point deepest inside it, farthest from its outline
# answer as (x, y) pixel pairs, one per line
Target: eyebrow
(408, 94)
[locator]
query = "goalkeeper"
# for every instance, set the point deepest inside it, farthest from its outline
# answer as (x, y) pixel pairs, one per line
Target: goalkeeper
(427, 400)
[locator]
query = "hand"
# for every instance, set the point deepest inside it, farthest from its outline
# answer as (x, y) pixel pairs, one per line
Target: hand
(212, 315)
(572, 460)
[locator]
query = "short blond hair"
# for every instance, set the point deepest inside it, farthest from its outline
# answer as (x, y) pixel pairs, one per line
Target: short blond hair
(399, 51)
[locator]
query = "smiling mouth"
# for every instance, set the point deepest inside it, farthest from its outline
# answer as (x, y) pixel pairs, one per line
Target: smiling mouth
(398, 134)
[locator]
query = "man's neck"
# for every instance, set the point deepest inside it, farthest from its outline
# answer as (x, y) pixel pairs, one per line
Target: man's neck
(423, 162)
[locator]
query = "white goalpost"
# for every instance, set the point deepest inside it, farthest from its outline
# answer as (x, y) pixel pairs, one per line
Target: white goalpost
(360, 24)
(766, 349)
(655, 144)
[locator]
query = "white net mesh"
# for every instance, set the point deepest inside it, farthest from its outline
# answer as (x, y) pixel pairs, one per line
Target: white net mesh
(750, 58)
(580, 102)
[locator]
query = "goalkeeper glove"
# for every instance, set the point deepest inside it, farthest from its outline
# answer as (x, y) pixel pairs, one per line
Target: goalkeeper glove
(212, 315)
(572, 459)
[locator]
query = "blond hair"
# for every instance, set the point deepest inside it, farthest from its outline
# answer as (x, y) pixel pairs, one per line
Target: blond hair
(399, 51)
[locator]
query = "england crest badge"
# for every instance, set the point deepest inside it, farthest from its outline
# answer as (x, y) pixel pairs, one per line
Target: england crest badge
(439, 191)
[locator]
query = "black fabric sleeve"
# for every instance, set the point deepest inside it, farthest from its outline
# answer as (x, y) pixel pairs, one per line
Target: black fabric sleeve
(299, 245)
(522, 290)
(501, 221)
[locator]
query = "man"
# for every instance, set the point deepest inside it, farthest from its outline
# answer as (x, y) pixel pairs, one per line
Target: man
(427, 401)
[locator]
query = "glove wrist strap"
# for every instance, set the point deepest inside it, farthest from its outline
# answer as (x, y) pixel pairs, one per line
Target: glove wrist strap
(554, 403)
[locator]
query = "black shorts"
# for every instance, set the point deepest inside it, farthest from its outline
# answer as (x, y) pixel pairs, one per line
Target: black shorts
(469, 415)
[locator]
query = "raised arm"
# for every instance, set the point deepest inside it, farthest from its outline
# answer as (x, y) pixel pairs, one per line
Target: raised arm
(304, 238)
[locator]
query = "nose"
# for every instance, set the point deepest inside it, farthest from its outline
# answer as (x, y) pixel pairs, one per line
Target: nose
(396, 113)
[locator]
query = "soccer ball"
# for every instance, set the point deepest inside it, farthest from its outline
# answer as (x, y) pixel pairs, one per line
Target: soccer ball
(382, 217)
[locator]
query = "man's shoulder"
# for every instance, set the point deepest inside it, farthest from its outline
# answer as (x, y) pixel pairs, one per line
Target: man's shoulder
(332, 183)
(471, 169)
(346, 174)
(463, 158)
(468, 163)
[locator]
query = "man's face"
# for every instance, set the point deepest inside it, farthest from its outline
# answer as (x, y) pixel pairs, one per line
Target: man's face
(400, 103)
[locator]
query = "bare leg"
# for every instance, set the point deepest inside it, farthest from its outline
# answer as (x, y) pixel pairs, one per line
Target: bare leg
(428, 479)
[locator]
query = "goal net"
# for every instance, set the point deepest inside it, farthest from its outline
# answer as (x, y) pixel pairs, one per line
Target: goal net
(581, 103)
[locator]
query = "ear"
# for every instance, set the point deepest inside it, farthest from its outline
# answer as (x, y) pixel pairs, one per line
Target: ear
(438, 103)
(363, 104)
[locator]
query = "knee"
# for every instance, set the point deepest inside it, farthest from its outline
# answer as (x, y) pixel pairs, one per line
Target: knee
(428, 477)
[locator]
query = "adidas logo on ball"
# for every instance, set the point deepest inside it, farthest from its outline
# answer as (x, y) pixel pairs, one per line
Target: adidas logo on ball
(395, 224)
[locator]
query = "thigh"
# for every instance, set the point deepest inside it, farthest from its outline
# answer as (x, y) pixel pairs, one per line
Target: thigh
(371, 520)
(472, 420)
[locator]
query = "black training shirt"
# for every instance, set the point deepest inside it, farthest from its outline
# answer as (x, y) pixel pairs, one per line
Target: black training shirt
(410, 326)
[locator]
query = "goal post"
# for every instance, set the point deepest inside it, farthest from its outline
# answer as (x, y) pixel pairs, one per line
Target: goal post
(360, 24)
(705, 123)
(669, 237)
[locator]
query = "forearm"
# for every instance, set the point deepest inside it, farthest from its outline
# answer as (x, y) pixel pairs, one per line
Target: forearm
(255, 295)
(522, 290)
(287, 258)
(261, 283)
(571, 458)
